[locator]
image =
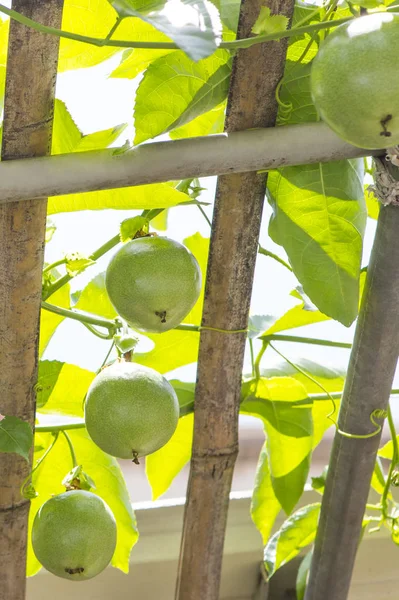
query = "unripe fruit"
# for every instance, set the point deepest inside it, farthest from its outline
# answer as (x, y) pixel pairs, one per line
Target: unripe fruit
(130, 410)
(153, 283)
(355, 82)
(74, 535)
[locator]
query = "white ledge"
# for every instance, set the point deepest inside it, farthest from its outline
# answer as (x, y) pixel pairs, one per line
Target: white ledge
(251, 150)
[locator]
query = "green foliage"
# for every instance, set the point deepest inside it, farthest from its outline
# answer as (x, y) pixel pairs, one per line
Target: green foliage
(197, 29)
(319, 219)
(297, 532)
(302, 576)
(264, 505)
(267, 23)
(15, 436)
(195, 87)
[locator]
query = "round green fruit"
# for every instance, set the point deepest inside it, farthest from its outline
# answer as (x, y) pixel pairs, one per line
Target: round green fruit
(355, 81)
(153, 283)
(74, 535)
(130, 410)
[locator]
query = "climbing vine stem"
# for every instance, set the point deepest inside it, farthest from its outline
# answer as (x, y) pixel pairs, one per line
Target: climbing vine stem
(392, 466)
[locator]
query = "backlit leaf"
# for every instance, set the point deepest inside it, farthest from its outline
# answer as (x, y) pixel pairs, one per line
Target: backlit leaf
(50, 321)
(268, 23)
(195, 88)
(264, 505)
(196, 30)
(15, 436)
(163, 466)
(297, 532)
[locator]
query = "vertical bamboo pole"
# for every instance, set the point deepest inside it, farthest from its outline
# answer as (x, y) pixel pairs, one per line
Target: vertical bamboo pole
(28, 111)
(368, 384)
(233, 249)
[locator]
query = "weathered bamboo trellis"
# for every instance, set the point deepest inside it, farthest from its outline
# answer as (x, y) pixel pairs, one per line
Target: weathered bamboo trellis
(27, 134)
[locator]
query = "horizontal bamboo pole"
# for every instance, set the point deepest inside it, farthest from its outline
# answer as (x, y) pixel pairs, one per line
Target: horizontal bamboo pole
(238, 152)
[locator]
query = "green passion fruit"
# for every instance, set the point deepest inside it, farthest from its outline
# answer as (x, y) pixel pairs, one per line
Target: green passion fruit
(355, 81)
(74, 535)
(130, 410)
(153, 283)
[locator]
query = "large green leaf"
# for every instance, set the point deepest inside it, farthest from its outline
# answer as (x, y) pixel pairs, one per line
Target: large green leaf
(289, 431)
(319, 218)
(209, 123)
(70, 384)
(110, 485)
(175, 90)
(163, 466)
(297, 532)
(229, 12)
(177, 348)
(264, 505)
(49, 371)
(156, 195)
(15, 436)
(68, 138)
(196, 30)
(94, 298)
(304, 313)
(136, 61)
(94, 18)
(50, 321)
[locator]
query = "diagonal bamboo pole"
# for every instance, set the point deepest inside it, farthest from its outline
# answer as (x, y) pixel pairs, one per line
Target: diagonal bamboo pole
(371, 370)
(233, 250)
(237, 152)
(28, 109)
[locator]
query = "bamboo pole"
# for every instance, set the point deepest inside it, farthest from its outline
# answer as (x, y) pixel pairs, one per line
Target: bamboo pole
(235, 152)
(233, 250)
(371, 370)
(28, 109)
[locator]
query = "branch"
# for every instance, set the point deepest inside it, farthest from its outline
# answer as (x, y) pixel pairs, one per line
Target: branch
(255, 149)
(83, 317)
(368, 387)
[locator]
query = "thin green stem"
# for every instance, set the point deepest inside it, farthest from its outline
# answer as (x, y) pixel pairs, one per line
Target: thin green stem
(83, 317)
(277, 337)
(114, 28)
(314, 13)
(71, 448)
(94, 256)
(39, 462)
(232, 45)
(394, 462)
(94, 331)
(251, 351)
(53, 265)
(204, 215)
(106, 357)
(259, 357)
(60, 427)
(265, 252)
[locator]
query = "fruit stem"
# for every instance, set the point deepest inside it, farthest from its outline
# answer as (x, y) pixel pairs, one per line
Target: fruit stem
(85, 318)
(71, 448)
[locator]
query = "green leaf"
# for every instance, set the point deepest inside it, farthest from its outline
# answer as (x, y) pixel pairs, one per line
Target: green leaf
(185, 394)
(387, 450)
(264, 505)
(67, 137)
(297, 105)
(15, 436)
(155, 195)
(378, 480)
(196, 31)
(94, 298)
(289, 433)
(163, 466)
(229, 12)
(94, 18)
(319, 218)
(68, 392)
(195, 89)
(267, 23)
(209, 123)
(303, 575)
(131, 227)
(110, 485)
(49, 371)
(304, 313)
(373, 205)
(258, 324)
(50, 321)
(297, 532)
(136, 62)
(177, 348)
(76, 262)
